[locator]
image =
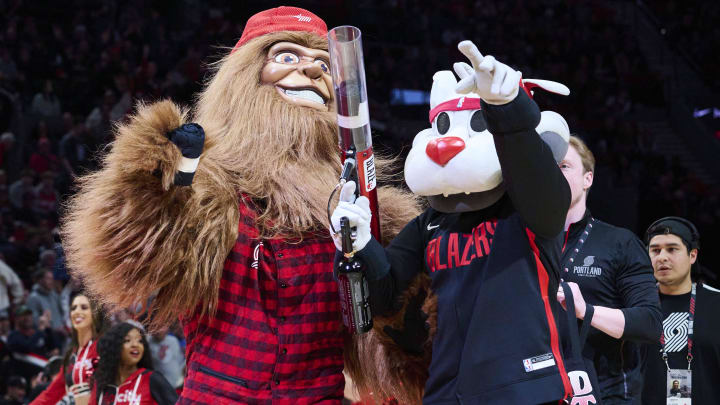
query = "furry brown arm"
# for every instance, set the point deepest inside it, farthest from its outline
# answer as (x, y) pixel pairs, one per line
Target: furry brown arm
(382, 369)
(397, 207)
(142, 144)
(130, 234)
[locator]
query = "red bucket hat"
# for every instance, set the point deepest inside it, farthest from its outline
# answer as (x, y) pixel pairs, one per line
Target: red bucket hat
(281, 19)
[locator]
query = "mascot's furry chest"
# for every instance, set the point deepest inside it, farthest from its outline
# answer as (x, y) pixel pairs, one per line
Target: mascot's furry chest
(278, 314)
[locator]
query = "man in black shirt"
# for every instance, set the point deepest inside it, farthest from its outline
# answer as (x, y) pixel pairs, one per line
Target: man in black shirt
(611, 269)
(673, 245)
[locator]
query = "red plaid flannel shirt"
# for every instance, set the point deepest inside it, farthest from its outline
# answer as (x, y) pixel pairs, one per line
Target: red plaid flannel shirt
(276, 337)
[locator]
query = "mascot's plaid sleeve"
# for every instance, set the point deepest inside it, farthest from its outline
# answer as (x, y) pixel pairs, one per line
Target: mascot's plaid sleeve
(276, 336)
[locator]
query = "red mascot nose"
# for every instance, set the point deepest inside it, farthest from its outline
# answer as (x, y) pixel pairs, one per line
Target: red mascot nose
(441, 150)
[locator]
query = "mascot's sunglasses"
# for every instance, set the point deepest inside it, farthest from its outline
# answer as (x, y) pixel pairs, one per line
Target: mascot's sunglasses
(291, 58)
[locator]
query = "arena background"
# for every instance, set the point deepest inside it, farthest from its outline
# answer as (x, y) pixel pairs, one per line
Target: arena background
(643, 79)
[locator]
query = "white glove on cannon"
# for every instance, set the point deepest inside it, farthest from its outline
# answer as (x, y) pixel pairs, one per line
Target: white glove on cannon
(495, 82)
(358, 214)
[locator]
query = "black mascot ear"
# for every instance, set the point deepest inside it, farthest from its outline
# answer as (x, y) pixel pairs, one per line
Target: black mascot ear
(555, 132)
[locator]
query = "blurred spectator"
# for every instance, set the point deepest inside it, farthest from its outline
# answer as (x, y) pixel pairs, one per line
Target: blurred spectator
(44, 299)
(31, 346)
(5, 327)
(10, 286)
(22, 189)
(73, 152)
(42, 159)
(10, 155)
(8, 68)
(46, 198)
(47, 262)
(168, 357)
(59, 270)
(45, 104)
(16, 391)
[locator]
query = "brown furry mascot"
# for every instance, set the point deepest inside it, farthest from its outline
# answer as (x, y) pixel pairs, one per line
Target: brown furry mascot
(232, 240)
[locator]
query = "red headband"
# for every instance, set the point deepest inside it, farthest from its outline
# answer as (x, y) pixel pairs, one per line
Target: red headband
(458, 104)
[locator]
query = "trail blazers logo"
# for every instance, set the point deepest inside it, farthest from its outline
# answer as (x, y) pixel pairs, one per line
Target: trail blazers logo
(587, 269)
(675, 327)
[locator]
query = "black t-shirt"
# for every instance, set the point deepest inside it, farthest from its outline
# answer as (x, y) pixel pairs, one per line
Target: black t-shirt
(706, 347)
(613, 270)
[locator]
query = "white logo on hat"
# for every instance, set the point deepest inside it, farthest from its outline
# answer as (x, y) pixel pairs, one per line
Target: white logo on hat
(589, 261)
(302, 18)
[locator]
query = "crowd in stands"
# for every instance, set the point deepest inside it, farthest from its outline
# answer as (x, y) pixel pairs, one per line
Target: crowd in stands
(70, 70)
(692, 27)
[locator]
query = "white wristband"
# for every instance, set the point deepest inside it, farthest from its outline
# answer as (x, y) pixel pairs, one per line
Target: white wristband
(188, 165)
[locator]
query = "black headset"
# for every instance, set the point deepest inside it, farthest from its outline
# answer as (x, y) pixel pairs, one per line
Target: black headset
(694, 234)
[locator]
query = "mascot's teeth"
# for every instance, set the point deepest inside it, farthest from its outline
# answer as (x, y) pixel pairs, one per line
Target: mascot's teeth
(445, 194)
(467, 193)
(305, 94)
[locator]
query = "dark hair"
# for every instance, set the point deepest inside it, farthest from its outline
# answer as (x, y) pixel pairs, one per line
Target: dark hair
(110, 351)
(686, 232)
(99, 324)
(680, 227)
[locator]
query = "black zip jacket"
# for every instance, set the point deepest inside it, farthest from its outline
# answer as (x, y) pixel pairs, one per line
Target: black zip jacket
(495, 272)
(613, 270)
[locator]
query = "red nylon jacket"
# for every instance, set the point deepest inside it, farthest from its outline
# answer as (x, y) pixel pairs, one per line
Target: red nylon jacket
(81, 367)
(143, 387)
(276, 337)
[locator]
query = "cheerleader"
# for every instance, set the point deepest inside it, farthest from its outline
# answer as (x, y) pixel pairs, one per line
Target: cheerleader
(87, 320)
(125, 375)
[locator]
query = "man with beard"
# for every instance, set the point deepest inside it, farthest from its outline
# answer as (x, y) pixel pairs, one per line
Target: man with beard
(230, 235)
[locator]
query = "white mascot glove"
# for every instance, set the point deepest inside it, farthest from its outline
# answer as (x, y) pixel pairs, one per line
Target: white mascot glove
(358, 214)
(495, 82)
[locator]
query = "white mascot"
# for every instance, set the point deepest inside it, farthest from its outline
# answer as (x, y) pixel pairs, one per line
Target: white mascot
(472, 280)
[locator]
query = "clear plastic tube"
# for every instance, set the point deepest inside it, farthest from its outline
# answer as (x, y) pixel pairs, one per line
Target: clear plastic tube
(351, 102)
(348, 73)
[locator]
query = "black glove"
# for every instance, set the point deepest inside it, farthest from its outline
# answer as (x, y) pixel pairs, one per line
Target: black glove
(190, 139)
(416, 329)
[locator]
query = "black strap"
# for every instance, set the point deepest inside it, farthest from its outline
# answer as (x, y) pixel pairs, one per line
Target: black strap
(585, 328)
(579, 244)
(577, 338)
